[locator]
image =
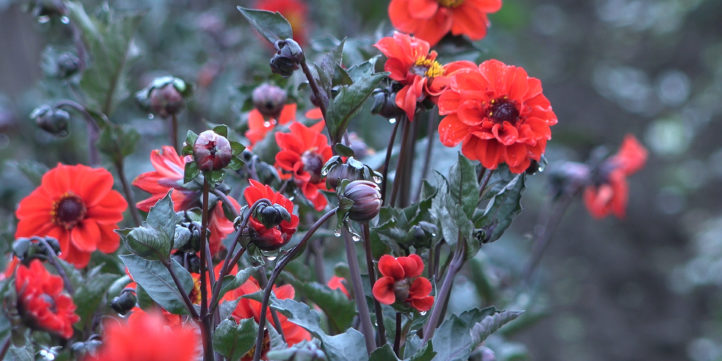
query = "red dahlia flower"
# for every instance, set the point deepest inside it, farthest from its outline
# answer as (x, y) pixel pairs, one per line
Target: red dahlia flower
(432, 19)
(401, 282)
(609, 193)
(41, 300)
(275, 237)
(248, 308)
(76, 205)
(147, 337)
(168, 174)
(498, 113)
(411, 64)
(303, 153)
(294, 11)
(336, 283)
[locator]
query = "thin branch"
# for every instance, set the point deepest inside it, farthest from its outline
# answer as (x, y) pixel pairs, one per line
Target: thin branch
(205, 319)
(397, 338)
(427, 156)
(544, 230)
(380, 328)
(437, 312)
(53, 259)
(358, 292)
(387, 161)
(184, 295)
(400, 163)
(119, 168)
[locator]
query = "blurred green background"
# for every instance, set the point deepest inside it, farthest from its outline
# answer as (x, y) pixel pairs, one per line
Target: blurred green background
(643, 288)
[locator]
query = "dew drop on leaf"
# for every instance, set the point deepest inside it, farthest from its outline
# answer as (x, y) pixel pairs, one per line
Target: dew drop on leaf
(392, 120)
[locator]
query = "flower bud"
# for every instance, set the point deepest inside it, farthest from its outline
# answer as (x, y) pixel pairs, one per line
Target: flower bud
(339, 172)
(212, 151)
(68, 64)
(312, 164)
(51, 120)
(401, 290)
(166, 101)
(269, 100)
(287, 58)
(366, 198)
(271, 215)
(385, 103)
(124, 303)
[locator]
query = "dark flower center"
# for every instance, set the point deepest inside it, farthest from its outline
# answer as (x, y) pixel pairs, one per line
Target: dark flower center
(503, 110)
(401, 290)
(312, 164)
(68, 211)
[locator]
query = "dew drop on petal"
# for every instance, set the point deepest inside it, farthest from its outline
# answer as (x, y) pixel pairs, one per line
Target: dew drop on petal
(266, 124)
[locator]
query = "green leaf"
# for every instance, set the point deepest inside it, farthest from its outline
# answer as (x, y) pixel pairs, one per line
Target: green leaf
(490, 324)
(191, 138)
(190, 172)
(231, 282)
(463, 187)
(154, 239)
(235, 340)
(107, 40)
(343, 150)
(337, 307)
(87, 298)
(452, 340)
(158, 283)
(350, 98)
(118, 142)
(348, 346)
(24, 353)
(272, 25)
(385, 353)
(503, 206)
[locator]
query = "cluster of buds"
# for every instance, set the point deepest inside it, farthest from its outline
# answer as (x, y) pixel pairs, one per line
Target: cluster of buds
(165, 96)
(51, 119)
(27, 249)
(287, 58)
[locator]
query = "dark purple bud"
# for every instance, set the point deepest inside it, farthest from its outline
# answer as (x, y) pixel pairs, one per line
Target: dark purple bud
(52, 120)
(212, 151)
(269, 100)
(339, 172)
(287, 58)
(271, 215)
(366, 197)
(401, 290)
(68, 64)
(125, 302)
(385, 103)
(166, 101)
(312, 164)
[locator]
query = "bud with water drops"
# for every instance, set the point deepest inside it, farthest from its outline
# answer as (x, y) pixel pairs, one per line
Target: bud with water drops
(366, 198)
(212, 151)
(165, 96)
(385, 103)
(336, 170)
(287, 58)
(269, 100)
(52, 120)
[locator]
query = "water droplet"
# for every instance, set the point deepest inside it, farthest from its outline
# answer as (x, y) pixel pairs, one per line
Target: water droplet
(422, 313)
(271, 258)
(356, 238)
(433, 235)
(377, 179)
(65, 20)
(151, 116)
(392, 120)
(266, 124)
(43, 19)
(337, 234)
(324, 172)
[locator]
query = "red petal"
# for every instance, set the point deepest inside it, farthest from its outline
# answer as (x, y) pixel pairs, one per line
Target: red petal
(390, 267)
(85, 236)
(383, 290)
(452, 131)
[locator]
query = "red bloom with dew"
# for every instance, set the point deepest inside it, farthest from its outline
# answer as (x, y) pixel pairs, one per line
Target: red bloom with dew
(259, 126)
(303, 153)
(498, 113)
(337, 283)
(295, 11)
(76, 205)
(411, 64)
(401, 282)
(432, 19)
(148, 337)
(168, 175)
(248, 308)
(274, 237)
(42, 302)
(609, 191)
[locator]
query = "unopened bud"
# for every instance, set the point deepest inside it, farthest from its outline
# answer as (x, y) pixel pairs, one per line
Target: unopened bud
(312, 164)
(124, 303)
(269, 100)
(401, 290)
(385, 103)
(68, 64)
(366, 198)
(287, 58)
(166, 101)
(272, 215)
(212, 151)
(52, 120)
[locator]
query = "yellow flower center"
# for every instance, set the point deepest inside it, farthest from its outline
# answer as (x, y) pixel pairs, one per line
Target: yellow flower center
(450, 3)
(429, 67)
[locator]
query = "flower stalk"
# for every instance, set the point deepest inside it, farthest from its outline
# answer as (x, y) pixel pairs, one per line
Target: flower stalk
(380, 328)
(358, 293)
(439, 308)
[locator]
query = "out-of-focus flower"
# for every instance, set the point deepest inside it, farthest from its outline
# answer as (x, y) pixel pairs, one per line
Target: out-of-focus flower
(303, 153)
(275, 236)
(212, 151)
(259, 125)
(76, 205)
(336, 283)
(413, 66)
(248, 308)
(147, 337)
(269, 100)
(41, 300)
(168, 174)
(498, 113)
(609, 191)
(432, 19)
(401, 282)
(295, 11)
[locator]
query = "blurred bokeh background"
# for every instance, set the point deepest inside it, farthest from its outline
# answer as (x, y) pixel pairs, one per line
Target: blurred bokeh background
(646, 287)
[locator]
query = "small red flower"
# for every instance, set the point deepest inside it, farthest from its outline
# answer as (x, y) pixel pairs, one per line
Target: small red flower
(248, 308)
(275, 237)
(219, 225)
(498, 113)
(42, 301)
(168, 174)
(336, 283)
(303, 153)
(432, 19)
(76, 205)
(147, 337)
(259, 126)
(401, 282)
(411, 64)
(294, 11)
(610, 192)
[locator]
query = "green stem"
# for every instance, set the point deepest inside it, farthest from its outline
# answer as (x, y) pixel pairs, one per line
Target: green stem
(358, 293)
(380, 328)
(387, 161)
(205, 318)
